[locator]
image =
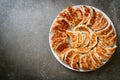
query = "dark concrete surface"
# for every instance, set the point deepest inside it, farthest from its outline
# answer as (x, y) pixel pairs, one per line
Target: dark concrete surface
(24, 47)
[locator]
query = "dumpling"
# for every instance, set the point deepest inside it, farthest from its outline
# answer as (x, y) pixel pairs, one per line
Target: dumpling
(57, 38)
(82, 62)
(61, 55)
(96, 58)
(85, 32)
(75, 61)
(89, 61)
(58, 35)
(108, 36)
(86, 39)
(68, 56)
(86, 14)
(57, 41)
(80, 39)
(66, 16)
(101, 25)
(93, 40)
(60, 25)
(100, 52)
(82, 28)
(107, 50)
(61, 46)
(75, 37)
(83, 49)
(76, 15)
(111, 50)
(98, 18)
(110, 42)
(105, 30)
(79, 17)
(92, 18)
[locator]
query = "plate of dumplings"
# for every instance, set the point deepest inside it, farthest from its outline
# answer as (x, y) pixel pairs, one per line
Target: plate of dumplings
(82, 38)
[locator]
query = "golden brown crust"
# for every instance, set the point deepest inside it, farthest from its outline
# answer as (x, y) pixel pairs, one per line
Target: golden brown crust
(102, 55)
(98, 18)
(73, 37)
(92, 17)
(83, 49)
(68, 56)
(60, 25)
(89, 61)
(79, 16)
(111, 50)
(83, 63)
(61, 55)
(93, 40)
(61, 47)
(82, 28)
(110, 42)
(86, 14)
(101, 25)
(75, 61)
(86, 39)
(55, 42)
(96, 59)
(108, 36)
(59, 35)
(105, 30)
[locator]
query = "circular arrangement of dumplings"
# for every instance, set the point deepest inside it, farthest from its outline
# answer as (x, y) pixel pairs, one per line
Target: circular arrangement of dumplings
(83, 38)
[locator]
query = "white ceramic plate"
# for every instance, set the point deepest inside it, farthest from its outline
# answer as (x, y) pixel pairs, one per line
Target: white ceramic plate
(67, 66)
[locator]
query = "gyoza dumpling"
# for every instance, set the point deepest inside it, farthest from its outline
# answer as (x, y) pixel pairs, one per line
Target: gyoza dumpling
(68, 56)
(107, 50)
(107, 33)
(111, 50)
(75, 37)
(79, 17)
(105, 30)
(76, 15)
(92, 17)
(108, 36)
(58, 38)
(110, 42)
(61, 55)
(96, 58)
(100, 51)
(75, 61)
(83, 49)
(60, 25)
(58, 35)
(98, 18)
(57, 41)
(65, 14)
(101, 25)
(93, 40)
(82, 62)
(90, 62)
(85, 32)
(61, 46)
(86, 39)
(86, 14)
(82, 28)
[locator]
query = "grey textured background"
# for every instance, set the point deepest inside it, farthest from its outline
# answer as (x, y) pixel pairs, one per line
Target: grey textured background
(24, 47)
